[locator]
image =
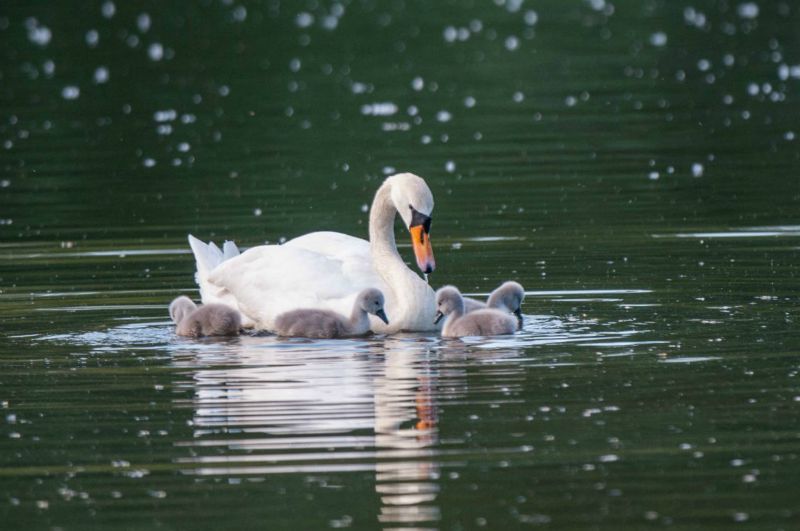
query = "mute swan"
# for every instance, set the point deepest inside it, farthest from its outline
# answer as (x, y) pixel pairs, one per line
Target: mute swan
(208, 320)
(486, 322)
(507, 297)
(325, 270)
(325, 324)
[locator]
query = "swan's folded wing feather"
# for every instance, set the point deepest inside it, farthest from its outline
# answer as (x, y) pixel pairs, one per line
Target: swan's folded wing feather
(333, 244)
(352, 253)
(272, 279)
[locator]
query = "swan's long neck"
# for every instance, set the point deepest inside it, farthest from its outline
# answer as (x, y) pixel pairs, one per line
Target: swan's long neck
(387, 260)
(381, 225)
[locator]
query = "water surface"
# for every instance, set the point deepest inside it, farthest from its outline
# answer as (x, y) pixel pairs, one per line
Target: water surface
(633, 164)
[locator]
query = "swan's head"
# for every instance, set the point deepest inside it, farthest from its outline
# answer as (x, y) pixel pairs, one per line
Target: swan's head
(180, 308)
(448, 300)
(371, 301)
(414, 201)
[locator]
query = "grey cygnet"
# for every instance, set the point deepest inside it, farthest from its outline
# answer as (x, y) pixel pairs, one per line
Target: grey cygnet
(326, 324)
(483, 322)
(507, 297)
(207, 320)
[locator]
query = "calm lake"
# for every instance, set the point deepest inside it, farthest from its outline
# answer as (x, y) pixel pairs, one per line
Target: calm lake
(635, 164)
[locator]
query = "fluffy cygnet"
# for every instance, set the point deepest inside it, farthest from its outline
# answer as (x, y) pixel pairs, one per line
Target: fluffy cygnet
(207, 320)
(507, 298)
(325, 324)
(485, 322)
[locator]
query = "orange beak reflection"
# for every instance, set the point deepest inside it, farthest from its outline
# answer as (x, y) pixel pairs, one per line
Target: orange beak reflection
(421, 242)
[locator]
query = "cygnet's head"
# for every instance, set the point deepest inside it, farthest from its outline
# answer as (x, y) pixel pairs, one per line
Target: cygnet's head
(371, 301)
(448, 300)
(180, 308)
(509, 297)
(414, 202)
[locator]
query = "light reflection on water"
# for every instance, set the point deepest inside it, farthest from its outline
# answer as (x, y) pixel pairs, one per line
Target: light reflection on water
(744, 232)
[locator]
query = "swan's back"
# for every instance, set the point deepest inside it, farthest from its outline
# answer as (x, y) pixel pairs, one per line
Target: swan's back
(210, 320)
(487, 322)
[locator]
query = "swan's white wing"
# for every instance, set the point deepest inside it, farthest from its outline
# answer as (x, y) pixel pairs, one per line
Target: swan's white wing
(335, 245)
(352, 253)
(272, 279)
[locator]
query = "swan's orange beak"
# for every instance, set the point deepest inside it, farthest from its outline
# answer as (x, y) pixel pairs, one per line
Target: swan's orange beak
(421, 242)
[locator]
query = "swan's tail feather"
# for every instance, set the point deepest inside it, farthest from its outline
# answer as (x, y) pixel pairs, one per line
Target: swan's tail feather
(215, 250)
(207, 255)
(229, 250)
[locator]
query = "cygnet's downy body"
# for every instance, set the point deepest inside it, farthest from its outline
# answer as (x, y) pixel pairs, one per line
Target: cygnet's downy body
(326, 324)
(207, 320)
(483, 322)
(507, 297)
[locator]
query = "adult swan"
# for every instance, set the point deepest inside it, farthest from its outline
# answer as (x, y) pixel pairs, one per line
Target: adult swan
(327, 269)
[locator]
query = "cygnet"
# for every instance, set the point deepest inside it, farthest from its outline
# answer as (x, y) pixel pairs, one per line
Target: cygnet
(484, 322)
(325, 324)
(507, 298)
(207, 320)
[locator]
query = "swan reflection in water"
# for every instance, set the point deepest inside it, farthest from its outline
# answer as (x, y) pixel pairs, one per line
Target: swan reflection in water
(406, 418)
(264, 405)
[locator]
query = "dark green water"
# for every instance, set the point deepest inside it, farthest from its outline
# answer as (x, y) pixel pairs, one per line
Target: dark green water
(634, 164)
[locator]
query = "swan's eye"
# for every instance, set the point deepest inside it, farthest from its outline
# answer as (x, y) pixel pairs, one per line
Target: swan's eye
(418, 219)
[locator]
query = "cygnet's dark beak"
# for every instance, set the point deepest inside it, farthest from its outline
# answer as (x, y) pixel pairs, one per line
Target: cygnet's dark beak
(518, 313)
(380, 313)
(439, 316)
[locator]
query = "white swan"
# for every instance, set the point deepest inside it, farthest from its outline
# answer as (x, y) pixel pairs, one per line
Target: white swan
(326, 270)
